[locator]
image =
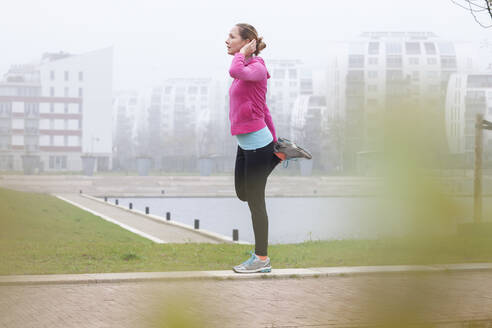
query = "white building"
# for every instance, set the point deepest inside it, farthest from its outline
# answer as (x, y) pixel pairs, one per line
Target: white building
(366, 72)
(284, 86)
(467, 96)
(57, 110)
(186, 119)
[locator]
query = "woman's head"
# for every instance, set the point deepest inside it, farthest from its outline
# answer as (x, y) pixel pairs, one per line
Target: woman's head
(242, 34)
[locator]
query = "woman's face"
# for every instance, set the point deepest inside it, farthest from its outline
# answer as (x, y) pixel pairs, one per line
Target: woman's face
(234, 42)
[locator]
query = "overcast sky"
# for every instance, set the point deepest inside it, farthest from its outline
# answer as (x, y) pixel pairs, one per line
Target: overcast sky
(155, 40)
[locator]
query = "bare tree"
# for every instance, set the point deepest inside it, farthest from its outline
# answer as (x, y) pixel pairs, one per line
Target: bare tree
(481, 10)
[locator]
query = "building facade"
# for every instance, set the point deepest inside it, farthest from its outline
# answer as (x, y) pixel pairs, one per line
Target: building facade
(57, 111)
(468, 95)
(366, 74)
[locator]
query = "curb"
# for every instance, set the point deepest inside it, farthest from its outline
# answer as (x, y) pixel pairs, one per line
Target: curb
(97, 278)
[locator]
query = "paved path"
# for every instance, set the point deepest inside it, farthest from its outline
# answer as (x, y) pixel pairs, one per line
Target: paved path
(160, 232)
(349, 301)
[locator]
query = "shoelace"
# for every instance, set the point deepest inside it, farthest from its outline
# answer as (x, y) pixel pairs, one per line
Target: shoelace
(285, 163)
(250, 260)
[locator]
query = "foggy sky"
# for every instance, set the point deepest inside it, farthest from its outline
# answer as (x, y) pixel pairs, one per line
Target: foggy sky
(155, 40)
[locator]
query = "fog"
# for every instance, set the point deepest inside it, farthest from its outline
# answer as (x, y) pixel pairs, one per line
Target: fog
(155, 40)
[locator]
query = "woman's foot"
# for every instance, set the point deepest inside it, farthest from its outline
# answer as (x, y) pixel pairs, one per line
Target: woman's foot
(290, 150)
(254, 264)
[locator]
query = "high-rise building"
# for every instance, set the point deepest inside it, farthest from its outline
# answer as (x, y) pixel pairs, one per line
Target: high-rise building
(185, 116)
(284, 86)
(54, 112)
(467, 96)
(365, 74)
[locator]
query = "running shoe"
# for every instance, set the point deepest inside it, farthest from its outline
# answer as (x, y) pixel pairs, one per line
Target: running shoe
(290, 149)
(253, 264)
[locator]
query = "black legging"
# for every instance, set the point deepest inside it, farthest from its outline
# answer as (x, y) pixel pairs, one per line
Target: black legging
(250, 175)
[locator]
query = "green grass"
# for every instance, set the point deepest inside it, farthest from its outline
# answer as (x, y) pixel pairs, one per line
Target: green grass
(40, 234)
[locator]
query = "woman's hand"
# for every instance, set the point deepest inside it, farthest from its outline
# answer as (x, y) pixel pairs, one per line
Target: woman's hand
(248, 48)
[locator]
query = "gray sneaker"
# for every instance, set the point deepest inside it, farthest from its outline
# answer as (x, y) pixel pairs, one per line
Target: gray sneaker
(253, 264)
(290, 149)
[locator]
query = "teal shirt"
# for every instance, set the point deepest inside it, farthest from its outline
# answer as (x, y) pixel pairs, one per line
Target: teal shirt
(255, 140)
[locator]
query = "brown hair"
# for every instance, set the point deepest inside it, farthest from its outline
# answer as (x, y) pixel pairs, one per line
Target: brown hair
(247, 31)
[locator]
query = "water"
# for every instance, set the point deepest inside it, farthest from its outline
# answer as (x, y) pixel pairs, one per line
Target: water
(291, 220)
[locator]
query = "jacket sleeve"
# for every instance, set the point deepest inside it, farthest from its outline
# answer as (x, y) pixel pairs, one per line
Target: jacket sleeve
(255, 71)
(269, 123)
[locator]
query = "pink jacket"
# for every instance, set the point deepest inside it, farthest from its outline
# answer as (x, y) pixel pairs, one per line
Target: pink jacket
(248, 111)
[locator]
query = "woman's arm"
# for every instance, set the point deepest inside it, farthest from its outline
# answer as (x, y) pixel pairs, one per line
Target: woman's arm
(269, 123)
(253, 72)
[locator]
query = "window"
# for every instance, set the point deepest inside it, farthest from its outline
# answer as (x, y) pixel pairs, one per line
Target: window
(58, 162)
(372, 88)
(168, 90)
(203, 90)
(448, 61)
(80, 107)
(65, 140)
(431, 61)
(52, 141)
(52, 91)
(356, 61)
(292, 74)
(412, 48)
(80, 92)
(279, 74)
(430, 48)
(413, 60)
(393, 48)
(373, 48)
(52, 108)
(193, 90)
(52, 124)
(373, 61)
(372, 74)
(52, 75)
(66, 75)
(393, 61)
(415, 75)
(65, 92)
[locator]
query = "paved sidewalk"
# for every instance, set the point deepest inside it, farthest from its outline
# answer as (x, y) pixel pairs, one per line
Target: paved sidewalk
(97, 278)
(160, 232)
(443, 298)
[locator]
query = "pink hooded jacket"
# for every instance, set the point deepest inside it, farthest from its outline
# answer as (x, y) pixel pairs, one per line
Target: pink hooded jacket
(248, 111)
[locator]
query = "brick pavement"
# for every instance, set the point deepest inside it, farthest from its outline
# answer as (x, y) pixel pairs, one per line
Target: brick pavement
(441, 297)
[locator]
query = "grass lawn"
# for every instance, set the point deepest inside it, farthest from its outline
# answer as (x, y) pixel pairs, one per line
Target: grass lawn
(40, 234)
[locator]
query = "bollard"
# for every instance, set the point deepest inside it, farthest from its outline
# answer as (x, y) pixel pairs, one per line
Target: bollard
(235, 234)
(80, 191)
(168, 216)
(116, 202)
(197, 224)
(130, 206)
(147, 210)
(105, 198)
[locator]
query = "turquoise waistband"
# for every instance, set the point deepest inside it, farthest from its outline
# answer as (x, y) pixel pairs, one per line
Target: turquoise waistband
(255, 140)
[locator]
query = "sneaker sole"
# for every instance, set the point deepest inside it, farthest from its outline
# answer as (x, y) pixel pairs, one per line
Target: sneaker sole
(260, 270)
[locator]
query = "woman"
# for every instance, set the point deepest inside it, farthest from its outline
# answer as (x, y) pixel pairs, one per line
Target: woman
(252, 124)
